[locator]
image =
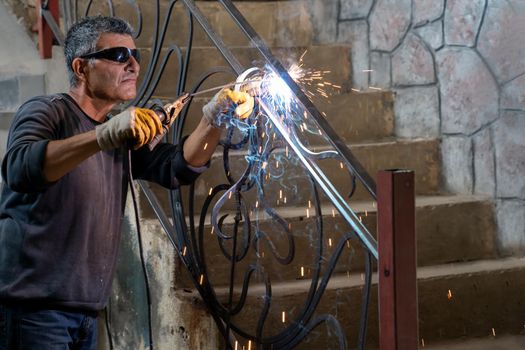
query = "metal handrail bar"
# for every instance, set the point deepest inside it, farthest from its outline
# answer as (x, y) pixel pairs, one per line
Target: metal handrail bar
(338, 144)
(348, 214)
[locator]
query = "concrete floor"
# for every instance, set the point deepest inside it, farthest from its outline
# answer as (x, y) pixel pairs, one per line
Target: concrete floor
(498, 343)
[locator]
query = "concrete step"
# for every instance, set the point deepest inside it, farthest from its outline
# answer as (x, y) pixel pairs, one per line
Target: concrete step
(456, 301)
(332, 60)
(355, 117)
(489, 342)
(279, 23)
(449, 229)
(421, 155)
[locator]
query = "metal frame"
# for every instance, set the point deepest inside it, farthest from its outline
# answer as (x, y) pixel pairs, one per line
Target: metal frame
(397, 324)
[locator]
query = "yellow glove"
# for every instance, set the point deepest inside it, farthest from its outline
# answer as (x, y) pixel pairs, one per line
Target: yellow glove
(222, 104)
(137, 125)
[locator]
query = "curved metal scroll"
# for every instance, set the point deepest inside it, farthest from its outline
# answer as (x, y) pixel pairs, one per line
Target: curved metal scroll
(266, 164)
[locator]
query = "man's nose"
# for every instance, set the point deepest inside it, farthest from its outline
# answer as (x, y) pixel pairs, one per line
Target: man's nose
(133, 65)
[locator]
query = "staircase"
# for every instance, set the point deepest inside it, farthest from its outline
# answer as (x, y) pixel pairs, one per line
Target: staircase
(466, 289)
(468, 292)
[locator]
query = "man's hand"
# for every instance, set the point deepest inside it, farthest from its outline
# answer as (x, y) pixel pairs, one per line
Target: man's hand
(224, 102)
(136, 125)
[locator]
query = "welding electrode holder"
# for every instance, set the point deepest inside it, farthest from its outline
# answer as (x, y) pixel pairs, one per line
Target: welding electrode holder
(166, 116)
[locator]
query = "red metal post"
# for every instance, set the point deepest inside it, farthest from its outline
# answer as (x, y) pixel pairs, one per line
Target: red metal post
(45, 35)
(398, 317)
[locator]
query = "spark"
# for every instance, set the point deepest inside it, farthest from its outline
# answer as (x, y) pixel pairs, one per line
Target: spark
(249, 345)
(449, 295)
(307, 213)
(184, 251)
(201, 279)
(302, 271)
(493, 332)
(333, 213)
(284, 316)
(211, 190)
(329, 242)
(422, 342)
(375, 88)
(205, 146)
(236, 345)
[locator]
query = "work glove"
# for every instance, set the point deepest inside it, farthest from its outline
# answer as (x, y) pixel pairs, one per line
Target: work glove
(138, 126)
(227, 104)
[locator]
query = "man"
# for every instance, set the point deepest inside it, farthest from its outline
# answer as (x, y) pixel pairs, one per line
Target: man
(65, 185)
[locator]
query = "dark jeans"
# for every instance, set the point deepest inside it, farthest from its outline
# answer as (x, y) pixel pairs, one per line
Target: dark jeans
(23, 328)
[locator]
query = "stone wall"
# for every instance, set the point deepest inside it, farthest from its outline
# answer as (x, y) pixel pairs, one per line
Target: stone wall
(458, 70)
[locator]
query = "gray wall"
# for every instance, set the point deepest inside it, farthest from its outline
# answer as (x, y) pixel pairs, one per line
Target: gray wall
(458, 70)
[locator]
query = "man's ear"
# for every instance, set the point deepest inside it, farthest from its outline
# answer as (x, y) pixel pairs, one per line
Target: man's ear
(80, 68)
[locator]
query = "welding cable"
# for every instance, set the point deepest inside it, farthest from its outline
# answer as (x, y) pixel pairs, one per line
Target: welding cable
(107, 311)
(141, 249)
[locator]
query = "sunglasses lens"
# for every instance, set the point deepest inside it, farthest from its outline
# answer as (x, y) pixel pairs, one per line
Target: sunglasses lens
(136, 55)
(117, 54)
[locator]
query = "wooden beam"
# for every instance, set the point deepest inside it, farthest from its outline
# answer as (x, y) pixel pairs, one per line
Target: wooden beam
(398, 315)
(45, 34)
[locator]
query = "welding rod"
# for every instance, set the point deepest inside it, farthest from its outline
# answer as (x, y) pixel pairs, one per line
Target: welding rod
(215, 88)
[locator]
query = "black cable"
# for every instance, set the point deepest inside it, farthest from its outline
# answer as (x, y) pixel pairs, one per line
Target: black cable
(108, 325)
(141, 249)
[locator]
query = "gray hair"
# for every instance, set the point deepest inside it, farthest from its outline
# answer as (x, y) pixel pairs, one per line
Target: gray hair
(83, 36)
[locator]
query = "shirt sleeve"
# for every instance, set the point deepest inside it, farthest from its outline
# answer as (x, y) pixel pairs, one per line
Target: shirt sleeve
(32, 128)
(165, 165)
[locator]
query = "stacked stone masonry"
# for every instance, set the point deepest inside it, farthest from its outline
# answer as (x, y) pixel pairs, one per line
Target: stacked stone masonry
(458, 70)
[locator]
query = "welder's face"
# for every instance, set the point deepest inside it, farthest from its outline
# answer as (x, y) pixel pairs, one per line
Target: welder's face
(109, 79)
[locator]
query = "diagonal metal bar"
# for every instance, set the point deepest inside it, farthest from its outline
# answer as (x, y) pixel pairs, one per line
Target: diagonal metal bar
(212, 35)
(339, 145)
(365, 236)
(59, 36)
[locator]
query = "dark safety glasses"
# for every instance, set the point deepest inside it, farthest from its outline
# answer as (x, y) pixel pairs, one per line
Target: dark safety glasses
(116, 54)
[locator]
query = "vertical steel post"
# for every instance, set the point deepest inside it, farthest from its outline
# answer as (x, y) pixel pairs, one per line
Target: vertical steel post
(398, 315)
(45, 34)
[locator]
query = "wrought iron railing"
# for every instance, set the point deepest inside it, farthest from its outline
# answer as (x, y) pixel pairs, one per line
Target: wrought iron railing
(278, 149)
